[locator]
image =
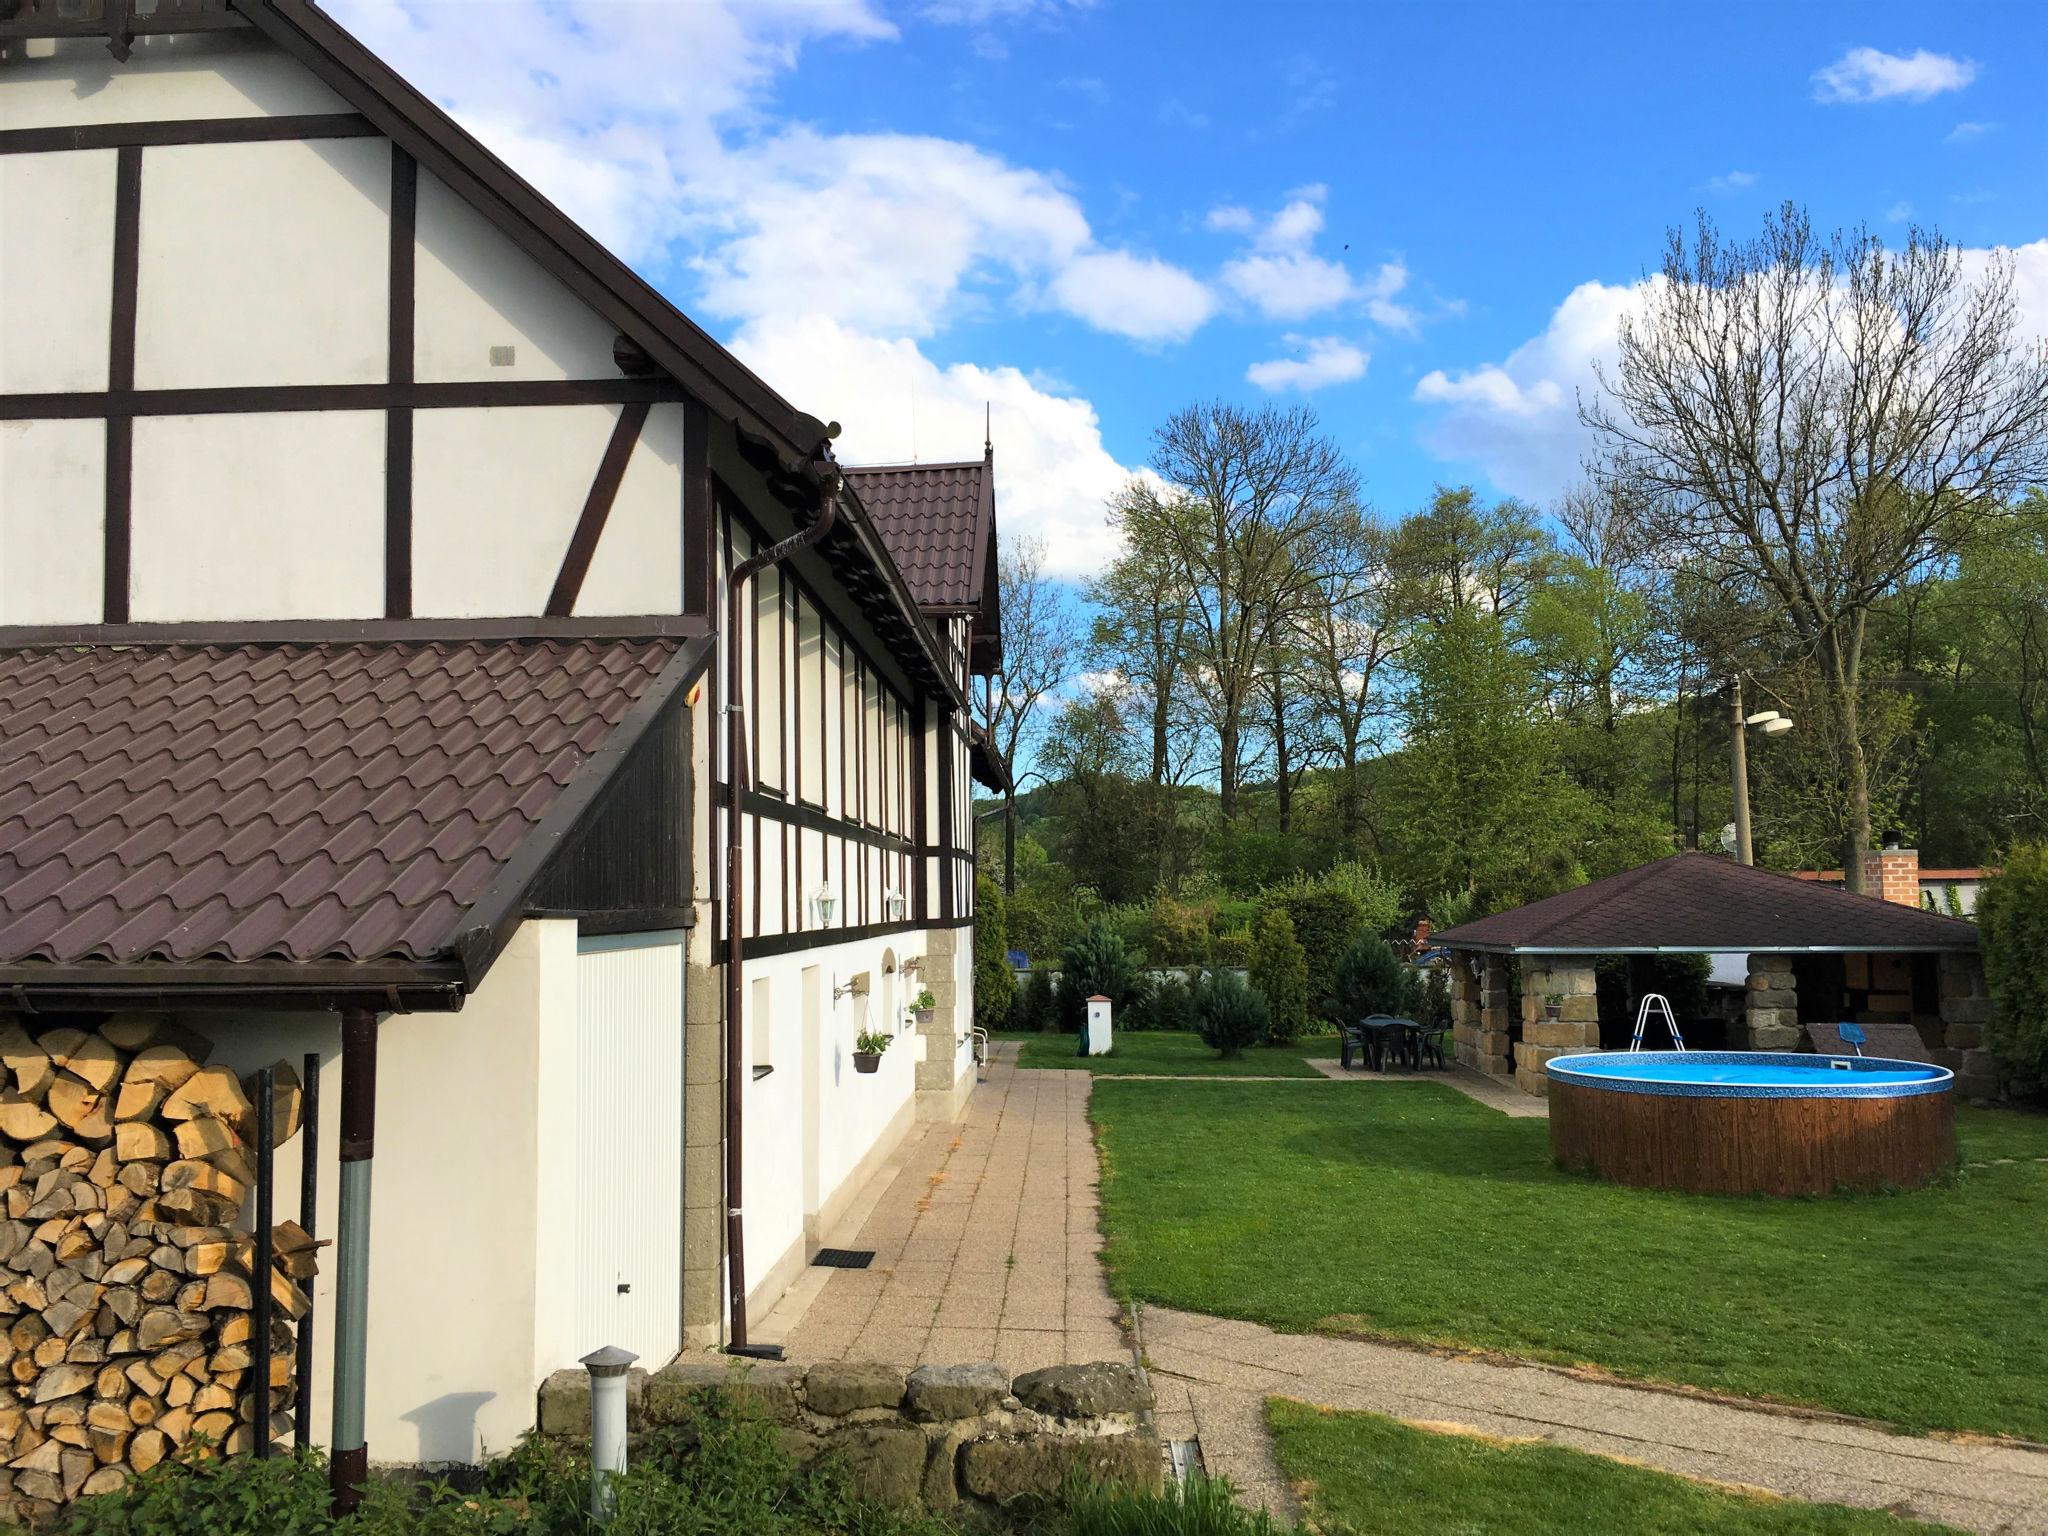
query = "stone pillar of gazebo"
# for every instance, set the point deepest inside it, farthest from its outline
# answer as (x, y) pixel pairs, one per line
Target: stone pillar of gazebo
(1464, 1009)
(1491, 1054)
(1965, 1010)
(1570, 988)
(1772, 1014)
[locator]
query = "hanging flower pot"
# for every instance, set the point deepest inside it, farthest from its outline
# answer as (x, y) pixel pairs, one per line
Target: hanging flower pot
(867, 1050)
(925, 1006)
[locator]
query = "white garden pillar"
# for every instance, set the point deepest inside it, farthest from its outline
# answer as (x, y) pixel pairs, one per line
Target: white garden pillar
(1098, 1026)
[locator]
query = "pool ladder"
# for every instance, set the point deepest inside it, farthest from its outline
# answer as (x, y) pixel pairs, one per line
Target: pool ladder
(1658, 1004)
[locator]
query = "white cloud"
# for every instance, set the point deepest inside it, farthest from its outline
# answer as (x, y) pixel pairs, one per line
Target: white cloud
(1962, 133)
(1733, 181)
(1135, 296)
(1053, 475)
(1517, 419)
(1319, 360)
(1870, 74)
(1228, 216)
(1899, 212)
(1391, 278)
(1290, 286)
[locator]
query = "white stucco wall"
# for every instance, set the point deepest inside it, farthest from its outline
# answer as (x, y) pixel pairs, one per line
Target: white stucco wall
(263, 264)
(467, 1296)
(52, 516)
(857, 1118)
(57, 213)
(278, 515)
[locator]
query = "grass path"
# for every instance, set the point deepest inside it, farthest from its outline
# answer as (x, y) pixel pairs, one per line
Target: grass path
(1361, 1475)
(1412, 1213)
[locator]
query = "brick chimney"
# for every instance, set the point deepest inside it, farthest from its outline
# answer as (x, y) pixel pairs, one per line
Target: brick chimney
(1893, 871)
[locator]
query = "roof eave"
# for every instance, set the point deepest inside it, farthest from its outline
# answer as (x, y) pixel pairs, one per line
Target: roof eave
(428, 986)
(1448, 941)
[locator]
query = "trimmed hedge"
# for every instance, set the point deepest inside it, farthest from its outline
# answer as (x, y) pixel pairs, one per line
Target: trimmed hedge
(995, 984)
(2012, 916)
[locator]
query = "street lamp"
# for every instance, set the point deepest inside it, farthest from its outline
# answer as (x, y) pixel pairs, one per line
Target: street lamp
(1771, 723)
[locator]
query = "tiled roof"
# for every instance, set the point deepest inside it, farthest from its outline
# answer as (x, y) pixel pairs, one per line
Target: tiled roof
(296, 803)
(932, 517)
(1701, 901)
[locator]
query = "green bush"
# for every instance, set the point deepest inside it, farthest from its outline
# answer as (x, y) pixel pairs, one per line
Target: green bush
(1168, 1004)
(1380, 904)
(1099, 962)
(1327, 920)
(1371, 978)
(2012, 916)
(1433, 1005)
(995, 984)
(1280, 972)
(1037, 1003)
(1232, 948)
(1179, 931)
(1448, 908)
(1229, 1015)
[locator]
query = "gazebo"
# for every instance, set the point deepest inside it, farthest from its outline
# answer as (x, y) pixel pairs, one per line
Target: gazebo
(1816, 954)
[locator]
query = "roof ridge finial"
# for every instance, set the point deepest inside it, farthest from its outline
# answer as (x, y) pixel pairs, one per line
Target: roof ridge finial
(988, 441)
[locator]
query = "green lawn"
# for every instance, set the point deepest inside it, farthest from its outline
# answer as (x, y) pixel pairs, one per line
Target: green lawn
(1173, 1053)
(1362, 1474)
(1407, 1210)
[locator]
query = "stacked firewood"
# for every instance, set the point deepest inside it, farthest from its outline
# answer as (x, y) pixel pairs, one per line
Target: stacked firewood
(125, 1283)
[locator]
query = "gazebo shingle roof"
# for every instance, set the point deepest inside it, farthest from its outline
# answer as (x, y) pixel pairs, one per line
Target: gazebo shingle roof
(1704, 902)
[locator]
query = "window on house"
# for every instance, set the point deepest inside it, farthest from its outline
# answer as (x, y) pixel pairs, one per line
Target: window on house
(767, 703)
(810, 669)
(871, 749)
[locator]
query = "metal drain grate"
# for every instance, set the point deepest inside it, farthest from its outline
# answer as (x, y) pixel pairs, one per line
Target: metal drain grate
(843, 1258)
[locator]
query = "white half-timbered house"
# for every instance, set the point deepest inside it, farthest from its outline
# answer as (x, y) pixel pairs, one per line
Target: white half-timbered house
(368, 622)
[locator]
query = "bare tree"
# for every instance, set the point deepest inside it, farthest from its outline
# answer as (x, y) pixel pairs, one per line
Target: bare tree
(1258, 496)
(1819, 422)
(1142, 613)
(1457, 553)
(1347, 642)
(1041, 647)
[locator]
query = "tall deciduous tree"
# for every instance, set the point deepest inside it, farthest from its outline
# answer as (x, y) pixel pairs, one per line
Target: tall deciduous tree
(1142, 611)
(1818, 421)
(1256, 498)
(1041, 648)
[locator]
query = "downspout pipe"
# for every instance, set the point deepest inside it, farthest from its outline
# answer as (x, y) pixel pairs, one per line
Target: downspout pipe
(824, 476)
(350, 1467)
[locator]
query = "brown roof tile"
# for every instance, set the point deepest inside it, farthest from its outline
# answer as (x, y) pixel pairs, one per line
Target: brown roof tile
(1701, 901)
(931, 517)
(285, 802)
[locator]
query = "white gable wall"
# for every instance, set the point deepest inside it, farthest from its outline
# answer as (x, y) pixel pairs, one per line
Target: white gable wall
(264, 266)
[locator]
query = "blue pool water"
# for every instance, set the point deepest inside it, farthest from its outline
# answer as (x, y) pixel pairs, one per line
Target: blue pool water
(1751, 1074)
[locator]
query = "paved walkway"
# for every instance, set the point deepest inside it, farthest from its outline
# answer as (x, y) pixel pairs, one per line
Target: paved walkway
(985, 1242)
(1212, 1376)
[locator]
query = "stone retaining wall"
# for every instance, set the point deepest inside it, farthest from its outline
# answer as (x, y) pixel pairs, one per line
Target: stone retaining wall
(934, 1438)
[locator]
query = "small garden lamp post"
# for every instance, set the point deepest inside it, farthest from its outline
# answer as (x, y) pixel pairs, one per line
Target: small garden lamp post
(607, 1367)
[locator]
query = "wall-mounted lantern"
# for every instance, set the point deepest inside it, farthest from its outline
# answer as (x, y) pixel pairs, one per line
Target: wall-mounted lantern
(824, 902)
(893, 904)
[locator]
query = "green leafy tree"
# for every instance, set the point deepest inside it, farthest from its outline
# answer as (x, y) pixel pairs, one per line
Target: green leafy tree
(1327, 920)
(1229, 1013)
(1098, 963)
(1037, 1002)
(1371, 979)
(2012, 913)
(995, 984)
(1280, 973)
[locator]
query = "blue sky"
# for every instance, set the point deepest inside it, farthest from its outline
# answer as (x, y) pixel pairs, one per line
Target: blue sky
(1423, 219)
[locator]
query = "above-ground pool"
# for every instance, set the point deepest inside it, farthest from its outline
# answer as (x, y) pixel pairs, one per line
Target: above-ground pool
(1760, 1122)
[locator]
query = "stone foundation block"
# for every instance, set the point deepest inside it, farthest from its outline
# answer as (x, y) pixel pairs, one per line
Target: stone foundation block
(937, 1392)
(999, 1470)
(1560, 1035)
(769, 1389)
(838, 1387)
(1085, 1391)
(884, 1462)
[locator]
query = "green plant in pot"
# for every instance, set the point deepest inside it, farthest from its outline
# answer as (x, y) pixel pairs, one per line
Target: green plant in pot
(1553, 1006)
(868, 1046)
(924, 1006)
